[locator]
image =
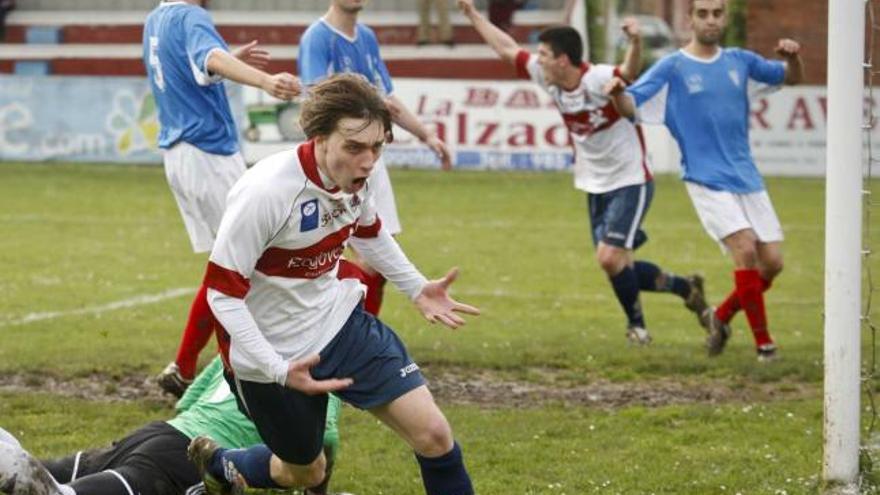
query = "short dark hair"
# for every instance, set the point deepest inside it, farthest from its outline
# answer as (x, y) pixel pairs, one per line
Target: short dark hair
(342, 96)
(691, 5)
(564, 40)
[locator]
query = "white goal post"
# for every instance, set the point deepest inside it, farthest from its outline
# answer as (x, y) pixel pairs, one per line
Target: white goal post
(843, 241)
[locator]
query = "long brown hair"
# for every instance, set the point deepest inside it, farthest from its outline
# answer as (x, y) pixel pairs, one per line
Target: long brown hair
(342, 96)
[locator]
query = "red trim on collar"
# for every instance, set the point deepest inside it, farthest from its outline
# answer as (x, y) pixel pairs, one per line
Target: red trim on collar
(306, 154)
(584, 68)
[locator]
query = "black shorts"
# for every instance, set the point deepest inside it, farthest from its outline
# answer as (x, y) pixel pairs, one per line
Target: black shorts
(152, 460)
(616, 216)
(365, 349)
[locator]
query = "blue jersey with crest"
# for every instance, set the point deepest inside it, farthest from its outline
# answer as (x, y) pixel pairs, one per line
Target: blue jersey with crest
(705, 105)
(192, 104)
(324, 51)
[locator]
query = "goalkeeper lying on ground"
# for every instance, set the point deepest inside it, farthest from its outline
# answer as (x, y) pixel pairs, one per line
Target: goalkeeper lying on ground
(151, 460)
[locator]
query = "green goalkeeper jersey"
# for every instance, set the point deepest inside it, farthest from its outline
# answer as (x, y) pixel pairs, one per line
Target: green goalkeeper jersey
(209, 408)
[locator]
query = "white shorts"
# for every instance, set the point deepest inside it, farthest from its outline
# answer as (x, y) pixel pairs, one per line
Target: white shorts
(200, 182)
(722, 213)
(383, 194)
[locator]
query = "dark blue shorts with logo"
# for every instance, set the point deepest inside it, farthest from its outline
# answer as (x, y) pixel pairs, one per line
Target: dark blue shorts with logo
(291, 423)
(616, 216)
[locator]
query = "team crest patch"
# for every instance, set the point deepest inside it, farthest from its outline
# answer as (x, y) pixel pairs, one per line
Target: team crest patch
(694, 83)
(734, 76)
(309, 215)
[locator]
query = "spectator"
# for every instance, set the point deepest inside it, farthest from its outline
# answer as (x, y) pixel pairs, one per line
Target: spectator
(5, 7)
(443, 26)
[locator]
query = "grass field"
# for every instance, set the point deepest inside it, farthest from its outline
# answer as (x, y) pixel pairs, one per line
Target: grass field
(97, 279)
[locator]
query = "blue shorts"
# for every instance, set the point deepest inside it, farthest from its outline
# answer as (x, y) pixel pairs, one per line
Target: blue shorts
(291, 423)
(616, 216)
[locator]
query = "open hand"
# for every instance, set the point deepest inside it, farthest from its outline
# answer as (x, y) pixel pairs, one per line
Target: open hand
(284, 86)
(436, 305)
(299, 378)
(466, 7)
(253, 55)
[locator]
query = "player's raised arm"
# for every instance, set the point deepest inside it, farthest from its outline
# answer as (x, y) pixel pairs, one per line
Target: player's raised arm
(790, 50)
(615, 88)
(403, 117)
(632, 61)
(282, 85)
(501, 42)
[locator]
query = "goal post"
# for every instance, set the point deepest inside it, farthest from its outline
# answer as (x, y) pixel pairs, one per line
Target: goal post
(843, 241)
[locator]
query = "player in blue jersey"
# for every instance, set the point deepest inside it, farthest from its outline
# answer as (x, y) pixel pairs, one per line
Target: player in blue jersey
(186, 61)
(338, 43)
(702, 95)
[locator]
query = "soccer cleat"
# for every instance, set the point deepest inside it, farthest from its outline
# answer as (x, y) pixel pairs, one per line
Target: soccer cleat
(201, 452)
(719, 332)
(638, 336)
(171, 381)
(767, 353)
(696, 300)
(21, 474)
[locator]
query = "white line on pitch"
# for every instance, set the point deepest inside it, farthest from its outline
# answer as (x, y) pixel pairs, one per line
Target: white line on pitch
(97, 310)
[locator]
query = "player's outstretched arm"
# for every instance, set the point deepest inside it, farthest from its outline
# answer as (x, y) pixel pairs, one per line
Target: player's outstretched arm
(403, 117)
(282, 85)
(501, 42)
(790, 50)
(623, 102)
(632, 60)
(253, 55)
(436, 305)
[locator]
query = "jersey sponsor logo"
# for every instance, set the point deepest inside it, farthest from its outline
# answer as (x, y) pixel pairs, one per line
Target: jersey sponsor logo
(309, 215)
(408, 369)
(589, 122)
(308, 262)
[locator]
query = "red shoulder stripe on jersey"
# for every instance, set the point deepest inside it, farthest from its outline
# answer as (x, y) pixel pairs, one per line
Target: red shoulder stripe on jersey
(227, 281)
(306, 154)
(368, 231)
(309, 262)
(521, 62)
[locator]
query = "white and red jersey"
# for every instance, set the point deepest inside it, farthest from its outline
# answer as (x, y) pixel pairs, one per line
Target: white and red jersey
(609, 149)
(271, 277)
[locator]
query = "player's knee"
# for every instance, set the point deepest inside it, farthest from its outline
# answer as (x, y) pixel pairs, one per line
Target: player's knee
(745, 254)
(435, 439)
(772, 268)
(610, 260)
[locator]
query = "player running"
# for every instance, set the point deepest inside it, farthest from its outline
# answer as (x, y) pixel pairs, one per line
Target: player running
(338, 43)
(186, 61)
(702, 95)
(610, 161)
(294, 326)
(152, 460)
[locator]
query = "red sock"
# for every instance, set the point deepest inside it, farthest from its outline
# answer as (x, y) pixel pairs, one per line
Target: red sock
(199, 328)
(750, 291)
(728, 309)
(375, 291)
(375, 284)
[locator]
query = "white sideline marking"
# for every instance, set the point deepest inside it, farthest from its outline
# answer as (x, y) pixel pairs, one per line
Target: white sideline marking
(96, 310)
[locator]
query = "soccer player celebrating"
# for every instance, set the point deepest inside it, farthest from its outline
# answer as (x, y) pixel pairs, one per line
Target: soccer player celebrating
(702, 95)
(338, 43)
(294, 328)
(610, 161)
(152, 460)
(186, 61)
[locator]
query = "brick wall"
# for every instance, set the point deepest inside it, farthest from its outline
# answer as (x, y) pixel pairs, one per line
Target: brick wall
(803, 20)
